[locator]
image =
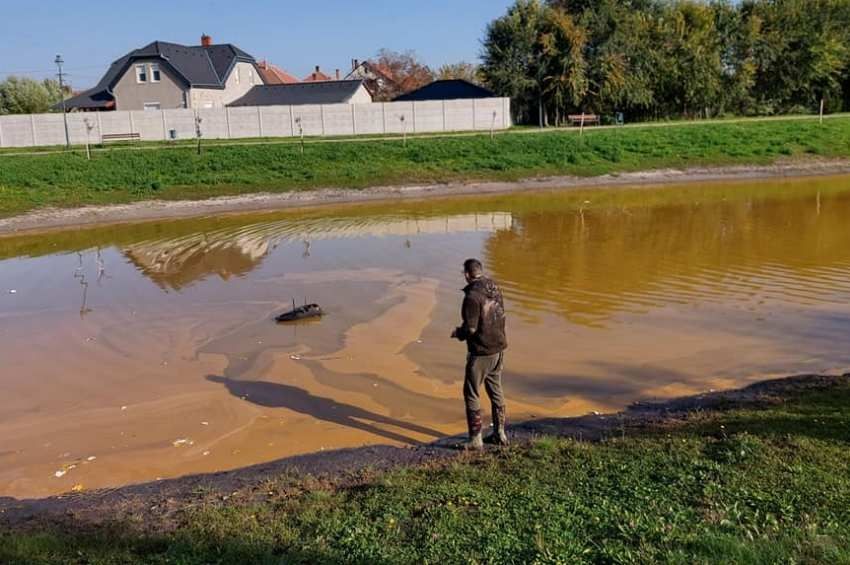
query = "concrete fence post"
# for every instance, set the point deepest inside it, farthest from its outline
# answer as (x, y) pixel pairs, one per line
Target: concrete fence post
(384, 116)
(227, 120)
(164, 126)
(474, 124)
(322, 115)
(1, 133)
(291, 123)
(353, 120)
(413, 114)
(99, 127)
(506, 113)
(444, 115)
(32, 125)
(132, 124)
(260, 119)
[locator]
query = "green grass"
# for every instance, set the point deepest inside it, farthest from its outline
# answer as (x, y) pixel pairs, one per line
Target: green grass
(747, 486)
(126, 175)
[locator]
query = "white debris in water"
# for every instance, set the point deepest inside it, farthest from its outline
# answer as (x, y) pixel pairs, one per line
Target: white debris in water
(123, 408)
(92, 458)
(13, 291)
(182, 441)
(205, 423)
(295, 357)
(206, 453)
(61, 472)
(419, 341)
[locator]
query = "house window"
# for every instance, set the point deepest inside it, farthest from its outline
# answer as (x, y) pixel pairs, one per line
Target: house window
(154, 72)
(141, 73)
(152, 106)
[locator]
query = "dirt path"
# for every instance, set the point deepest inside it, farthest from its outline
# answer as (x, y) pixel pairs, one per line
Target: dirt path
(57, 219)
(158, 505)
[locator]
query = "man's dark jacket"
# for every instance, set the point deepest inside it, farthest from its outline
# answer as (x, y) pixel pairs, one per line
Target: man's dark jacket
(483, 313)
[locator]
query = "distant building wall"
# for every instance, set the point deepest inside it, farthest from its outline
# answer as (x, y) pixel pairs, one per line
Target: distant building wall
(133, 95)
(243, 77)
(261, 121)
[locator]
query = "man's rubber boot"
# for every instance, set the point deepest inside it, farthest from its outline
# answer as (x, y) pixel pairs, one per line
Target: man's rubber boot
(499, 436)
(474, 443)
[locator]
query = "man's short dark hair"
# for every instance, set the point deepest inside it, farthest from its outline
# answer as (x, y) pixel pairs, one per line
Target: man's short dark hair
(473, 267)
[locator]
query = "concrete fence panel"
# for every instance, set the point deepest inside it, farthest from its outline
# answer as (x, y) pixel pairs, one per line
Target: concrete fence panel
(115, 122)
(339, 119)
(369, 118)
(182, 121)
(49, 129)
(17, 131)
(244, 122)
(310, 117)
(79, 131)
(489, 113)
(148, 124)
(213, 123)
(459, 115)
(399, 117)
(276, 121)
(428, 116)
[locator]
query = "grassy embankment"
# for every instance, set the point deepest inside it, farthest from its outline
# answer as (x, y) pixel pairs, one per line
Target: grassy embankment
(66, 179)
(745, 486)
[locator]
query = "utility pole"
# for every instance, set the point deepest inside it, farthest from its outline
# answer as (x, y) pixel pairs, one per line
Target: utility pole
(59, 62)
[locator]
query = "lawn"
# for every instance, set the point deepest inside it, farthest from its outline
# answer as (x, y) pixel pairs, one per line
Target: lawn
(764, 485)
(29, 182)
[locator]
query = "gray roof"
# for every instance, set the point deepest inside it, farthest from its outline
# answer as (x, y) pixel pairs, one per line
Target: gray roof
(195, 65)
(324, 92)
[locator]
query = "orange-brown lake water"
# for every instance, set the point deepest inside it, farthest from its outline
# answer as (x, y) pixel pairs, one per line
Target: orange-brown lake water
(131, 353)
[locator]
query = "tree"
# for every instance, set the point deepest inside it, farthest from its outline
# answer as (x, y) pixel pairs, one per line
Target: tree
(562, 50)
(510, 66)
(463, 71)
(403, 72)
(21, 95)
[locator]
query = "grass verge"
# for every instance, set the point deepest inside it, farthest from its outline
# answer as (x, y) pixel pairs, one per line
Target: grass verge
(29, 182)
(744, 486)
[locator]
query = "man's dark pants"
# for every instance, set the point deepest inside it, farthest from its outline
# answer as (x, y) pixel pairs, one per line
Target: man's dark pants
(486, 370)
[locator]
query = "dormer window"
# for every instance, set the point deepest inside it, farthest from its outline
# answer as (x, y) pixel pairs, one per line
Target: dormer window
(141, 73)
(154, 72)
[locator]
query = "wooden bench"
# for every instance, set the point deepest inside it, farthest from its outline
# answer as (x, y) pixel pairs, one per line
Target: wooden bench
(583, 119)
(114, 137)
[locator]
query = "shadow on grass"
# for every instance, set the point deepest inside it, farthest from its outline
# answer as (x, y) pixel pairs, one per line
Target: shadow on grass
(115, 544)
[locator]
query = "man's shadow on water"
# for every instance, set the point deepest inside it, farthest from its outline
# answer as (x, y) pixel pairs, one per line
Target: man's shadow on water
(275, 395)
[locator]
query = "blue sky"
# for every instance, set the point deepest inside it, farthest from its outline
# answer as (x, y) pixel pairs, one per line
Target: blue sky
(294, 35)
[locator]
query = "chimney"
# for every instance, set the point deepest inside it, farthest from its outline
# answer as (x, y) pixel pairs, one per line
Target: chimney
(317, 69)
(206, 40)
(337, 74)
(354, 64)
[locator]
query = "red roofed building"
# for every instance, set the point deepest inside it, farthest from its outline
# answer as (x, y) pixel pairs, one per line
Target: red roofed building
(272, 74)
(316, 76)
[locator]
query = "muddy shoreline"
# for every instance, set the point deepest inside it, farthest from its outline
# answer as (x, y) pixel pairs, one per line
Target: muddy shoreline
(53, 219)
(159, 505)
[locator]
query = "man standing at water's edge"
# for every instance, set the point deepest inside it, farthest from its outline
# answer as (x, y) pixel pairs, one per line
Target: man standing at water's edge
(483, 330)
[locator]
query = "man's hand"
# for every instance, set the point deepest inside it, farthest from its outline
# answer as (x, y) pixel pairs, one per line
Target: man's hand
(454, 334)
